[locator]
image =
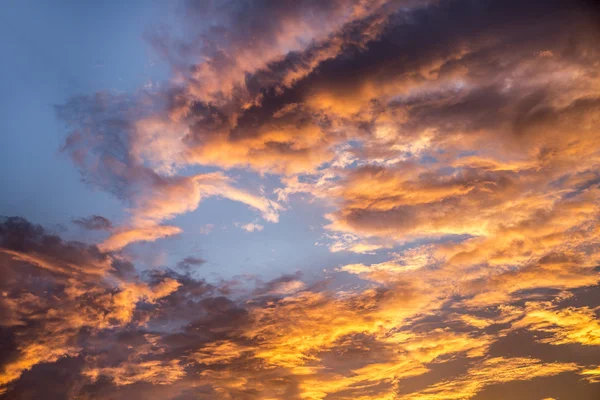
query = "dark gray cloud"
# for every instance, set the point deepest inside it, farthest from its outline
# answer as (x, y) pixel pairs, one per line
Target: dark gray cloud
(190, 262)
(95, 222)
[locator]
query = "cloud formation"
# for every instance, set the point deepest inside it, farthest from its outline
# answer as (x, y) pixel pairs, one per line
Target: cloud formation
(452, 145)
(287, 339)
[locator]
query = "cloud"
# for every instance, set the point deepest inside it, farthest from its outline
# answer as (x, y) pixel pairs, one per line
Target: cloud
(592, 374)
(206, 229)
(189, 262)
(146, 371)
(101, 146)
(252, 227)
(567, 325)
(410, 260)
(122, 238)
(286, 337)
(460, 138)
(88, 289)
(491, 371)
(401, 100)
(95, 222)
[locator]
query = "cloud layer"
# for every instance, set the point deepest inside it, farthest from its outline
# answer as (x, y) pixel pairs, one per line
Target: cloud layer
(455, 140)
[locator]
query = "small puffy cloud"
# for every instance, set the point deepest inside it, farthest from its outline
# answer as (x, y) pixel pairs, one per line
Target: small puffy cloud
(252, 227)
(206, 229)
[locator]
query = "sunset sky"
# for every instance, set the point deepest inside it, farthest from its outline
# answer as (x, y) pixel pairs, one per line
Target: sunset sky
(300, 200)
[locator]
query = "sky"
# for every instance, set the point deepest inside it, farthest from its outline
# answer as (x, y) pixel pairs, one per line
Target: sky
(350, 199)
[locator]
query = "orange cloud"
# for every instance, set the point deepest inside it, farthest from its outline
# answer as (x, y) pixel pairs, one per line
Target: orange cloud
(124, 237)
(154, 372)
(567, 325)
(489, 372)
